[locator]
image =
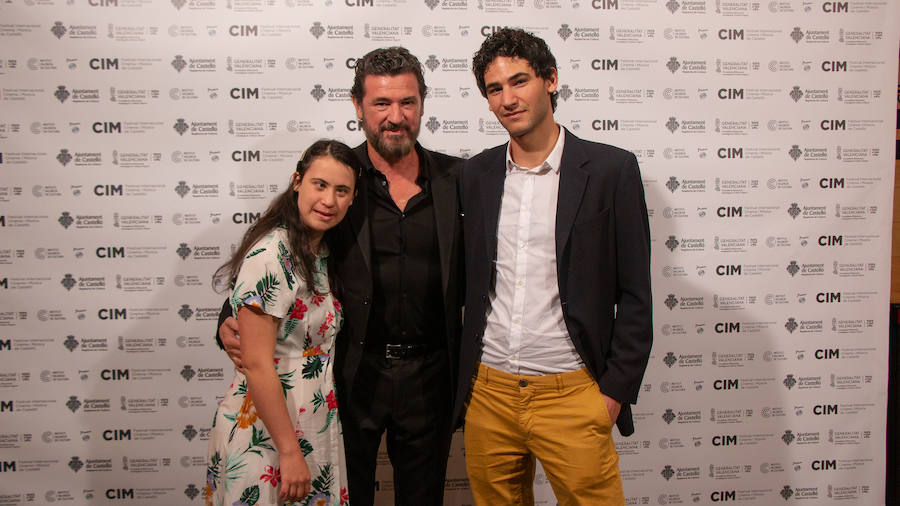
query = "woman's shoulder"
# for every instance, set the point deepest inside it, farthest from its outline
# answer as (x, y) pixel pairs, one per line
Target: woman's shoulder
(269, 244)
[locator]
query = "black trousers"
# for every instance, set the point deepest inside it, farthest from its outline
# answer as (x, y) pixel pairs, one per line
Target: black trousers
(410, 399)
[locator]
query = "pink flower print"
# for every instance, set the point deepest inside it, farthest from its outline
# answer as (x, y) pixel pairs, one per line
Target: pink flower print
(337, 305)
(332, 400)
(299, 310)
(345, 498)
(317, 299)
(271, 475)
(329, 319)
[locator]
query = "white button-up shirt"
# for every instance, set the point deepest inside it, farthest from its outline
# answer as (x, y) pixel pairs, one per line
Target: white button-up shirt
(525, 332)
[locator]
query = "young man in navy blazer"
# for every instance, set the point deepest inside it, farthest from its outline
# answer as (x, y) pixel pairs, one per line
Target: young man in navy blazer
(558, 319)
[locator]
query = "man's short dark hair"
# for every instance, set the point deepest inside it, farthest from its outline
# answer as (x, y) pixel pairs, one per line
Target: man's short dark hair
(514, 42)
(387, 61)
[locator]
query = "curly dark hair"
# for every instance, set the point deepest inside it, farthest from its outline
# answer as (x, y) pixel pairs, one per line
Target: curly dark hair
(282, 212)
(387, 61)
(515, 43)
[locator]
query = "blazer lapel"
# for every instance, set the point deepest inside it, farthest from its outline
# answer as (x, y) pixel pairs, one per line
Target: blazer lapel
(492, 192)
(444, 195)
(359, 221)
(572, 182)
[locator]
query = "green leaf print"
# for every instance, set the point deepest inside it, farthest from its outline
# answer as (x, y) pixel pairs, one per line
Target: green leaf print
(305, 446)
(286, 382)
(284, 259)
(213, 466)
(234, 463)
(289, 327)
(255, 252)
(328, 419)
(313, 367)
(237, 300)
(322, 483)
(250, 495)
(318, 400)
(266, 288)
(259, 441)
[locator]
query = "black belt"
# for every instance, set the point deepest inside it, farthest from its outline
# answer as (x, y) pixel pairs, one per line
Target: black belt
(401, 351)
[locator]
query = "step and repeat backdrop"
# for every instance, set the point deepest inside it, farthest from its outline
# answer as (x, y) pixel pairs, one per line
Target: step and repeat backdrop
(139, 138)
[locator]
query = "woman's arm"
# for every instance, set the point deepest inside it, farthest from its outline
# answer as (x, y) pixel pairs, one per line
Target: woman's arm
(258, 333)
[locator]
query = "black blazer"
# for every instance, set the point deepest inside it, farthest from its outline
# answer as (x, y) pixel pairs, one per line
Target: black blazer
(351, 250)
(603, 264)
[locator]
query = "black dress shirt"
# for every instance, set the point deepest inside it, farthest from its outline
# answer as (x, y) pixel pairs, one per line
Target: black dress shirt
(407, 305)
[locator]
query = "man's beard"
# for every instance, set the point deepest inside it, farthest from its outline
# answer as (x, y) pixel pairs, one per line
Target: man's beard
(390, 151)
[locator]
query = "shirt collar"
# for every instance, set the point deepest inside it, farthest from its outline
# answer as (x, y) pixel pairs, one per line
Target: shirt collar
(552, 162)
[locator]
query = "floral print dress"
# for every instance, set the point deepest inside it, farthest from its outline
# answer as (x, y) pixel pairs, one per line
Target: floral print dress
(242, 464)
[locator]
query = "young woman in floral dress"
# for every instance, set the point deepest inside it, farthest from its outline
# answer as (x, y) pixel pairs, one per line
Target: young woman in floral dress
(276, 437)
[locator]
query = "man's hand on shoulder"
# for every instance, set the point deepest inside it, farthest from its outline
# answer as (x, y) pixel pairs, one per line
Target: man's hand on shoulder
(231, 342)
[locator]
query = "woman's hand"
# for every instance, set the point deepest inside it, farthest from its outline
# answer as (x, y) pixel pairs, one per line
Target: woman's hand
(295, 476)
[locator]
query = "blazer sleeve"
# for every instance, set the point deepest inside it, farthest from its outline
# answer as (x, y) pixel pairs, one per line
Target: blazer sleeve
(632, 334)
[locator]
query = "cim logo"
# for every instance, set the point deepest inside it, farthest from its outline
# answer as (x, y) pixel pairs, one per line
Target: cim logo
(827, 353)
(2, 221)
(730, 153)
(103, 3)
(728, 270)
(725, 440)
(244, 93)
(119, 493)
(605, 64)
(350, 63)
(107, 127)
(6, 406)
(731, 93)
(834, 66)
(4, 283)
(727, 327)
(114, 374)
(731, 34)
(245, 156)
(835, 7)
(723, 495)
(110, 252)
(605, 124)
(5, 344)
(243, 30)
(108, 190)
(831, 182)
(244, 218)
(726, 384)
(112, 314)
(487, 31)
(730, 212)
(359, 3)
(605, 4)
(8, 466)
(825, 409)
(833, 124)
(354, 125)
(831, 240)
(103, 63)
(828, 297)
(117, 435)
(824, 465)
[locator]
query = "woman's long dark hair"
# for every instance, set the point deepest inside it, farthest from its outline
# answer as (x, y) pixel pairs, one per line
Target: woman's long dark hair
(283, 212)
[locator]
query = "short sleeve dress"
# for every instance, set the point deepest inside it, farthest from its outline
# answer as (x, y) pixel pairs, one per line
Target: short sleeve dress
(242, 464)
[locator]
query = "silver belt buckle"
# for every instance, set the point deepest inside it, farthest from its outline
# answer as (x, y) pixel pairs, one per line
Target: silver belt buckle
(393, 351)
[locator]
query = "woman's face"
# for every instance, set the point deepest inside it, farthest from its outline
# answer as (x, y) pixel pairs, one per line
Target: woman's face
(324, 194)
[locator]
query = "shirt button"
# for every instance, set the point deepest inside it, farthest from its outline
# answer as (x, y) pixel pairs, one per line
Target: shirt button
(523, 383)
